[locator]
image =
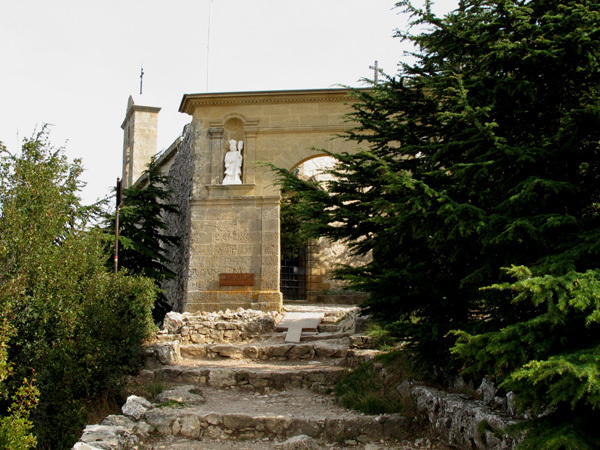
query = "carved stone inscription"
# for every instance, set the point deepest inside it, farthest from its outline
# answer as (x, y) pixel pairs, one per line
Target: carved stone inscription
(236, 279)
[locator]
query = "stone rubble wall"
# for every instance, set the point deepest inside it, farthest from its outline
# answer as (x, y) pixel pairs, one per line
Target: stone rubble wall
(461, 421)
(239, 326)
(180, 174)
(196, 329)
(233, 335)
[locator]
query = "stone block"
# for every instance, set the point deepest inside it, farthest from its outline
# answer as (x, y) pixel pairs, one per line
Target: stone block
(222, 378)
(227, 351)
(395, 426)
(277, 426)
(135, 407)
(310, 427)
(238, 421)
(213, 419)
(190, 427)
(185, 395)
(198, 338)
(161, 422)
(251, 352)
(115, 420)
(277, 351)
(232, 335)
(301, 351)
(329, 351)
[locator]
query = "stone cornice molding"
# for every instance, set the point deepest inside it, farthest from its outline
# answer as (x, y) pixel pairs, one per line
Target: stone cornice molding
(236, 201)
(190, 102)
(139, 108)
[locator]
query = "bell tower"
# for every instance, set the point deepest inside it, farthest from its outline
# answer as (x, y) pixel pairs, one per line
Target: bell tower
(139, 140)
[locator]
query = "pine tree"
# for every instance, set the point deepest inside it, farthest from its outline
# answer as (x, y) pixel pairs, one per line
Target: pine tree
(480, 156)
(143, 233)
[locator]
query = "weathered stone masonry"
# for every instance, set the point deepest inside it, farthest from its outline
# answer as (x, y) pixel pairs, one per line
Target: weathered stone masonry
(234, 229)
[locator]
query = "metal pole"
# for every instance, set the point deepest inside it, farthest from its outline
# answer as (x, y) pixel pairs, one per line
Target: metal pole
(208, 45)
(119, 191)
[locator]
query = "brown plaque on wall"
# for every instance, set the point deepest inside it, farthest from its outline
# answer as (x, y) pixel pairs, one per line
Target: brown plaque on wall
(236, 279)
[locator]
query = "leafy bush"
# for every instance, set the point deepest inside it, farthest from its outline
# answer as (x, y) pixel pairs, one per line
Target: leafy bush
(77, 327)
(15, 424)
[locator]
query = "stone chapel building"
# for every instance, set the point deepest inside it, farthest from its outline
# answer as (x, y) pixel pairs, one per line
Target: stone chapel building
(229, 255)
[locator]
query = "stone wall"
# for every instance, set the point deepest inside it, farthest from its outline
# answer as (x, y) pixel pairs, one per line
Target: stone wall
(181, 170)
(461, 421)
(323, 257)
(220, 327)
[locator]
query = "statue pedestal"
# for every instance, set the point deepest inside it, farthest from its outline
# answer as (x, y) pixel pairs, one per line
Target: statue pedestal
(234, 236)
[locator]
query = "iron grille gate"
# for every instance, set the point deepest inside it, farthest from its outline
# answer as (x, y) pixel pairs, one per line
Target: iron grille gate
(293, 275)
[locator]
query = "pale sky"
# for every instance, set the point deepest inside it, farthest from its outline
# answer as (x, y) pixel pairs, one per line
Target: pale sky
(74, 63)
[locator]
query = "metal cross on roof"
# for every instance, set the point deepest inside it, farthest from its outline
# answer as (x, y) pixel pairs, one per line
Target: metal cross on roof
(376, 71)
(141, 79)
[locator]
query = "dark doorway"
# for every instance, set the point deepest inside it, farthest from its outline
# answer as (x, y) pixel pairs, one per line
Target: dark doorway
(293, 274)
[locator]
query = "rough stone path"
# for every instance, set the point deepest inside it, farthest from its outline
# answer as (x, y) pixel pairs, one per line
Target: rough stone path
(230, 381)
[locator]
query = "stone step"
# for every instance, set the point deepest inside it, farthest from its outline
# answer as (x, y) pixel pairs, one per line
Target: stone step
(298, 442)
(196, 422)
(261, 377)
(236, 414)
(265, 351)
(317, 346)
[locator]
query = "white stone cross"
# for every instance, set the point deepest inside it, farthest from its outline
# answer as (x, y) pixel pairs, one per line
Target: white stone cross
(295, 322)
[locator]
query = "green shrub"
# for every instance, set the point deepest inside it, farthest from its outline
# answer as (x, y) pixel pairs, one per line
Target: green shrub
(371, 388)
(77, 326)
(15, 423)
(382, 337)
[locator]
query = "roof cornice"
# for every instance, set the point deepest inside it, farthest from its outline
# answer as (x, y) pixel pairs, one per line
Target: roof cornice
(139, 108)
(190, 102)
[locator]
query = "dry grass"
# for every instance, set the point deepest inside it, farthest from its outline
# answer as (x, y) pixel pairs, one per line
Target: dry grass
(108, 403)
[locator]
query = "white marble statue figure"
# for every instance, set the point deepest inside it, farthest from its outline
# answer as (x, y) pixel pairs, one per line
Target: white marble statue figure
(233, 163)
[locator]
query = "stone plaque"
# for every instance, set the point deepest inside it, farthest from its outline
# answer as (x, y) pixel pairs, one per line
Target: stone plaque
(236, 279)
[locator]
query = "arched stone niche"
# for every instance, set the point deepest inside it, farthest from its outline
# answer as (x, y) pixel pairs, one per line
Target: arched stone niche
(236, 127)
(234, 130)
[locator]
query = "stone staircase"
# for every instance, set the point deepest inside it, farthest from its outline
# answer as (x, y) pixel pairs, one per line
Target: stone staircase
(229, 380)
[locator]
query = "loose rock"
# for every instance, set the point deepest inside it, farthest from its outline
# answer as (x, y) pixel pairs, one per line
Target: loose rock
(300, 442)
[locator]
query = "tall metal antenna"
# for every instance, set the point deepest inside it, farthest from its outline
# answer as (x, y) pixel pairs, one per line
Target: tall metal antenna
(208, 44)
(141, 79)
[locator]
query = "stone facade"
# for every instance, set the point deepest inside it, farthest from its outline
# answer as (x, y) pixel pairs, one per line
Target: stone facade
(234, 229)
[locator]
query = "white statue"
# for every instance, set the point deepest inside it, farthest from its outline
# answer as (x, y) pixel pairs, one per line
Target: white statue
(233, 163)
